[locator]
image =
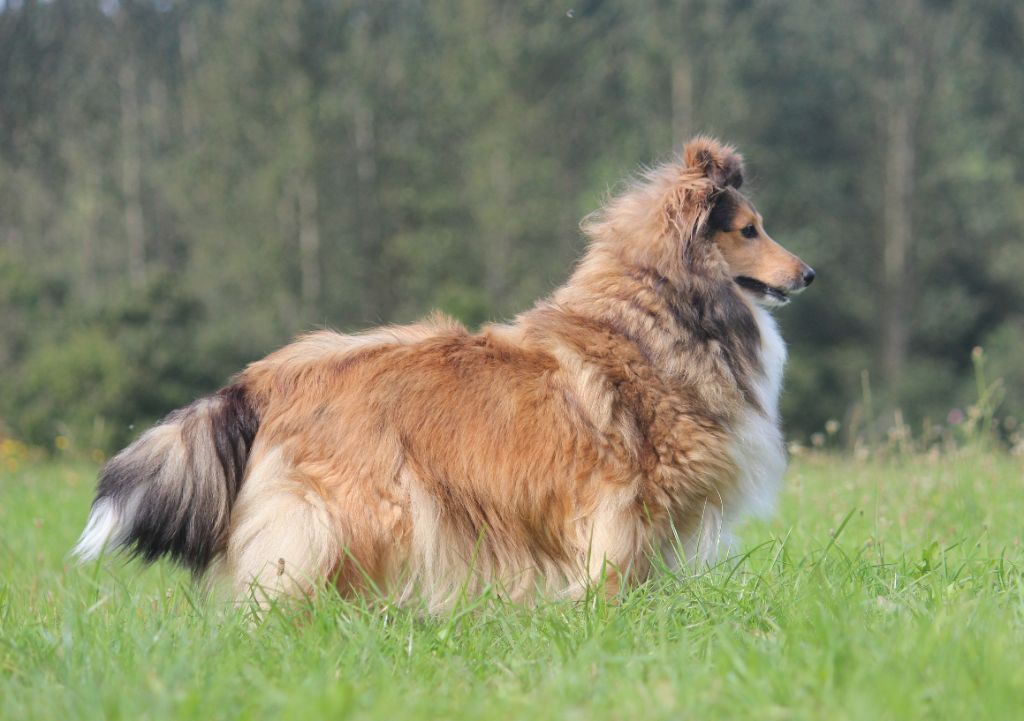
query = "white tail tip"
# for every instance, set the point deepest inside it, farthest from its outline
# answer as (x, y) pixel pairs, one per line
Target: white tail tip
(101, 533)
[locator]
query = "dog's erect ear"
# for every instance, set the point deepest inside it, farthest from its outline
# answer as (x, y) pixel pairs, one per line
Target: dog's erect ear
(671, 202)
(720, 163)
(708, 168)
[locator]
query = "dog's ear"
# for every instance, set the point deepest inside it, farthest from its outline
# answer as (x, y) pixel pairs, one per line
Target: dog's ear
(664, 215)
(708, 168)
(718, 162)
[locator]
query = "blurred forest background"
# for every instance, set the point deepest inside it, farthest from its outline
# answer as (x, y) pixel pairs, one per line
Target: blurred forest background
(185, 185)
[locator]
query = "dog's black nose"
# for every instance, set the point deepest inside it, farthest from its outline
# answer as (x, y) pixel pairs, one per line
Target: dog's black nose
(808, 277)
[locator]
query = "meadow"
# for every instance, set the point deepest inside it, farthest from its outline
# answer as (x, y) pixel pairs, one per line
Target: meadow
(885, 588)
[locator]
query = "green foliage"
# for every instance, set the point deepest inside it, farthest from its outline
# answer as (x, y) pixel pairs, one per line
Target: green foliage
(1005, 349)
(88, 382)
(883, 591)
(286, 166)
(73, 387)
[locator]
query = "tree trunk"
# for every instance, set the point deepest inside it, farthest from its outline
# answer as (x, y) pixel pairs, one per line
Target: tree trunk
(376, 280)
(683, 121)
(131, 172)
(903, 92)
(309, 245)
(498, 240)
(188, 49)
(897, 237)
(676, 28)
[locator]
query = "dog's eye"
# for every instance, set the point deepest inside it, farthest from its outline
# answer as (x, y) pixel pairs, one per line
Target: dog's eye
(749, 231)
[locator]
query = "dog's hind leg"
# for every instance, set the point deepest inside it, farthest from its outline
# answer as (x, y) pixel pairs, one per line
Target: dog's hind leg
(283, 541)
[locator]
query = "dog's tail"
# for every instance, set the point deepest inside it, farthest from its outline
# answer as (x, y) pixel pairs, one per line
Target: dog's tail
(171, 491)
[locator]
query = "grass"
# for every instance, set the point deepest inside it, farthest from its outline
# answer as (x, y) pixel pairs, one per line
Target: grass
(882, 590)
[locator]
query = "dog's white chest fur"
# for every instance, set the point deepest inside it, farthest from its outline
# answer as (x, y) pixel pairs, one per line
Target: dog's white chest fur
(757, 450)
(756, 446)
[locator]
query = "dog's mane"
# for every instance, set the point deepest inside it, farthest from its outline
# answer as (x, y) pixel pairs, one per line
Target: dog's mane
(652, 272)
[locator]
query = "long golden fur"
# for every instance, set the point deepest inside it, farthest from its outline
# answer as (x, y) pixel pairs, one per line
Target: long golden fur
(632, 408)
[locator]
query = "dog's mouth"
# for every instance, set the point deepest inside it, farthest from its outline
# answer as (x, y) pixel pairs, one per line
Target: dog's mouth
(774, 296)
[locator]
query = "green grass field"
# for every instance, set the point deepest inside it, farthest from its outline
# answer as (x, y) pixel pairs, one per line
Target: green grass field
(880, 591)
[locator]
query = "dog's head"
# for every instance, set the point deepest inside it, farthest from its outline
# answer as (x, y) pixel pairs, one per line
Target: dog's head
(688, 218)
(765, 270)
(719, 222)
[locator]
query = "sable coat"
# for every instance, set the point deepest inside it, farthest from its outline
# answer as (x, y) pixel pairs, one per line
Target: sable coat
(635, 407)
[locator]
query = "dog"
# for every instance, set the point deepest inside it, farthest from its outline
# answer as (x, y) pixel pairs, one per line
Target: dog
(632, 414)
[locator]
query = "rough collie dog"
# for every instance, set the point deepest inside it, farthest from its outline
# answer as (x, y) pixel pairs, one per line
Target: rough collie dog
(632, 413)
